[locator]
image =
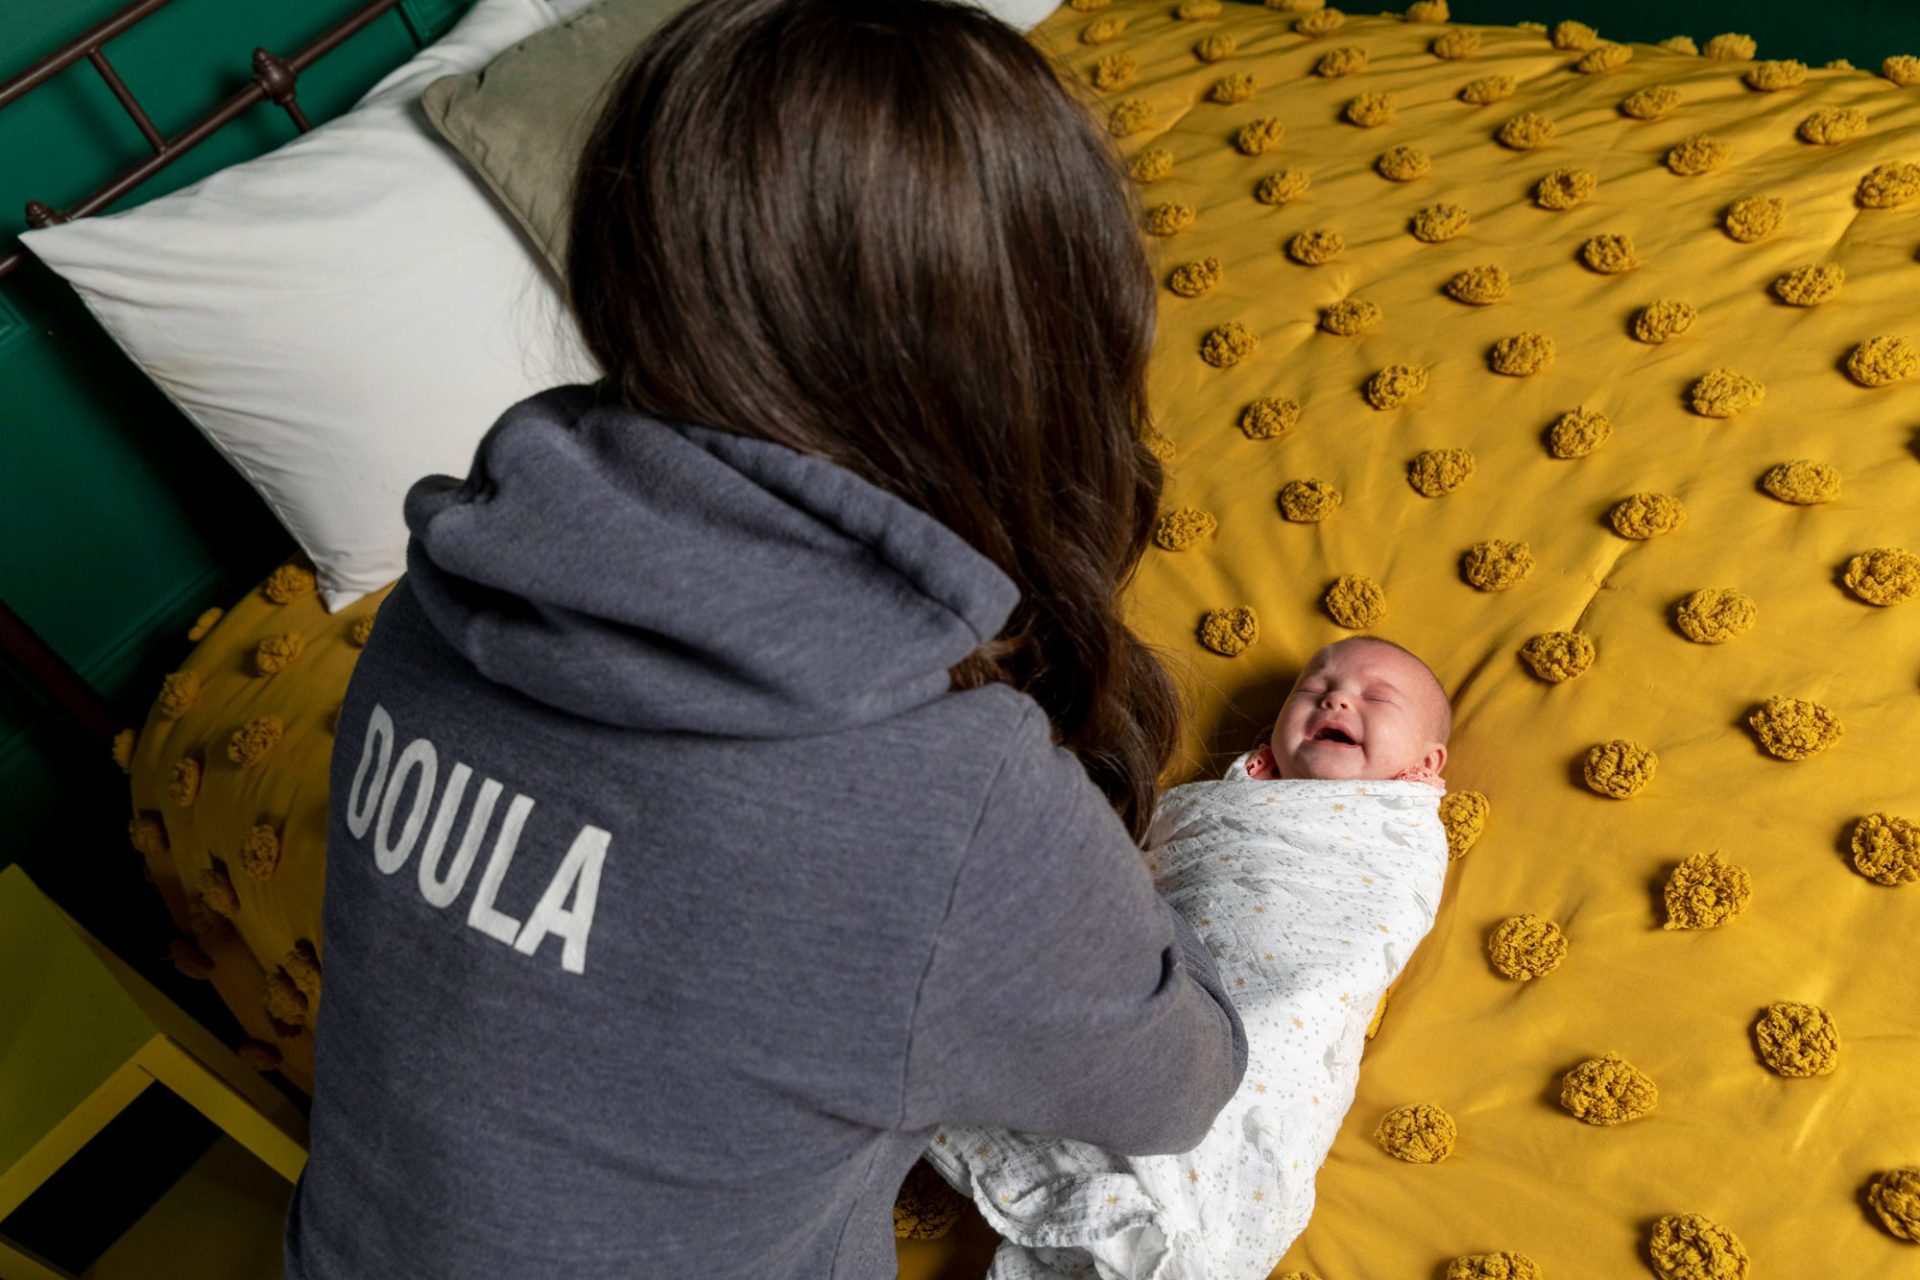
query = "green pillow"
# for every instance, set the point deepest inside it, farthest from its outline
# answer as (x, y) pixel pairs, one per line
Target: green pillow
(521, 121)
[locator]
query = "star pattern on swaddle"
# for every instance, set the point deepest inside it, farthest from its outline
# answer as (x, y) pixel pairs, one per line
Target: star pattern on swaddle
(1333, 857)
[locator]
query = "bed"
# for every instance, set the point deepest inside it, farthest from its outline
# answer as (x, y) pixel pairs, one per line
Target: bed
(1588, 371)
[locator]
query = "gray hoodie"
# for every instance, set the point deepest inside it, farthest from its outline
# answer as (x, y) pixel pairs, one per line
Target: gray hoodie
(673, 899)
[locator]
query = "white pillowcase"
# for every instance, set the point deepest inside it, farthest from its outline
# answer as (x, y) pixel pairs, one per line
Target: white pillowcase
(1023, 15)
(349, 312)
(342, 315)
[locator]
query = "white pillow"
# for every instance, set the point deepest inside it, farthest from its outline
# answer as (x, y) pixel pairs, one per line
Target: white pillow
(1024, 15)
(342, 315)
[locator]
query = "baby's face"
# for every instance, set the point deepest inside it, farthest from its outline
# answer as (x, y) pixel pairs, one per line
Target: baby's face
(1376, 698)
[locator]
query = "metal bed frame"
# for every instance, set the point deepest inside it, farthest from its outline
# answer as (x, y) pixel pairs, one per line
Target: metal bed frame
(275, 80)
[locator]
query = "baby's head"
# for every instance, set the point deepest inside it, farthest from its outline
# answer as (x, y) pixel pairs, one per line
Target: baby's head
(1363, 708)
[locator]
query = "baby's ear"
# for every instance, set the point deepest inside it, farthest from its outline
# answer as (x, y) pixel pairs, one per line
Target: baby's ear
(1436, 757)
(1261, 764)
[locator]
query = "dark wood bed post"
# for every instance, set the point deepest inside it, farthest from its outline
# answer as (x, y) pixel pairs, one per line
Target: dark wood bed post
(48, 672)
(274, 80)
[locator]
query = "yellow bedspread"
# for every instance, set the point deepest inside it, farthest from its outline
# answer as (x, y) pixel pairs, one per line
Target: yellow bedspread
(1655, 276)
(230, 804)
(1521, 368)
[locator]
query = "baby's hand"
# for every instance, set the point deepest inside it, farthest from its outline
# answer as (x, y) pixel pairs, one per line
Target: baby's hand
(1261, 764)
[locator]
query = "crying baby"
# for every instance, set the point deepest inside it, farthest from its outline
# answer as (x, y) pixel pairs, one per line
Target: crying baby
(1311, 870)
(1363, 708)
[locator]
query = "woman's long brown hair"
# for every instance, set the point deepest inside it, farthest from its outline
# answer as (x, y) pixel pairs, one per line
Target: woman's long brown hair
(885, 233)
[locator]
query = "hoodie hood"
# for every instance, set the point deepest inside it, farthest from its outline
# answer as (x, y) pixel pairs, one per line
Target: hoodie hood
(669, 576)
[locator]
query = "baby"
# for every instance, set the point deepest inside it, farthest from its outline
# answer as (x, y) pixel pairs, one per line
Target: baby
(1311, 871)
(1364, 708)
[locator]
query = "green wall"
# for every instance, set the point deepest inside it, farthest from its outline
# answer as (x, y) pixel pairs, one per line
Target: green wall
(119, 522)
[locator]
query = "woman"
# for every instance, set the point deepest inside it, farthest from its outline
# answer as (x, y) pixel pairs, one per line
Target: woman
(746, 776)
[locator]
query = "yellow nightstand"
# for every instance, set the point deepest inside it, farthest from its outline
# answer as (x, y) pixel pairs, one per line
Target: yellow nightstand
(81, 1036)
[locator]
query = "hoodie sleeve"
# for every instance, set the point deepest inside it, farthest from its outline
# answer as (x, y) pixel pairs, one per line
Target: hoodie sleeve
(1063, 995)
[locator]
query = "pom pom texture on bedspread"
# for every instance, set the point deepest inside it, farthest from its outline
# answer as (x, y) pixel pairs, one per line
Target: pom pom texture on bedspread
(1608, 352)
(229, 786)
(1590, 372)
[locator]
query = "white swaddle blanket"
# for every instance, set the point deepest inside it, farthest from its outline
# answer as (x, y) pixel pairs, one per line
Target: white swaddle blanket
(1312, 896)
